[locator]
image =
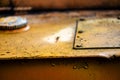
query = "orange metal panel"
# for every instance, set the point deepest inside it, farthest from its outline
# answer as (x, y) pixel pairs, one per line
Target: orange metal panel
(61, 69)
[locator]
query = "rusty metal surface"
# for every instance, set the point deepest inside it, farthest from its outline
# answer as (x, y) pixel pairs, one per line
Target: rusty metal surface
(97, 34)
(51, 36)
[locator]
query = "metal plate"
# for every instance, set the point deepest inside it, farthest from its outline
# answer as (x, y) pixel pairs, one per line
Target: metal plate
(97, 34)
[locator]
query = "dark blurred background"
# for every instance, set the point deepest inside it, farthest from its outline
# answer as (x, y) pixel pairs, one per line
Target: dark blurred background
(60, 4)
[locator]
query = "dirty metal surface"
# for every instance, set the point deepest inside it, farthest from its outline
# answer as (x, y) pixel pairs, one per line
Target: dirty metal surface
(51, 35)
(97, 34)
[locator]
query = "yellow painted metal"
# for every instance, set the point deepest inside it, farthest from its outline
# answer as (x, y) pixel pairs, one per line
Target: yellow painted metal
(50, 36)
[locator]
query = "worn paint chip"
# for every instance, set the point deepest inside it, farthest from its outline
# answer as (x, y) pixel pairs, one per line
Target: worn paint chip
(64, 35)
